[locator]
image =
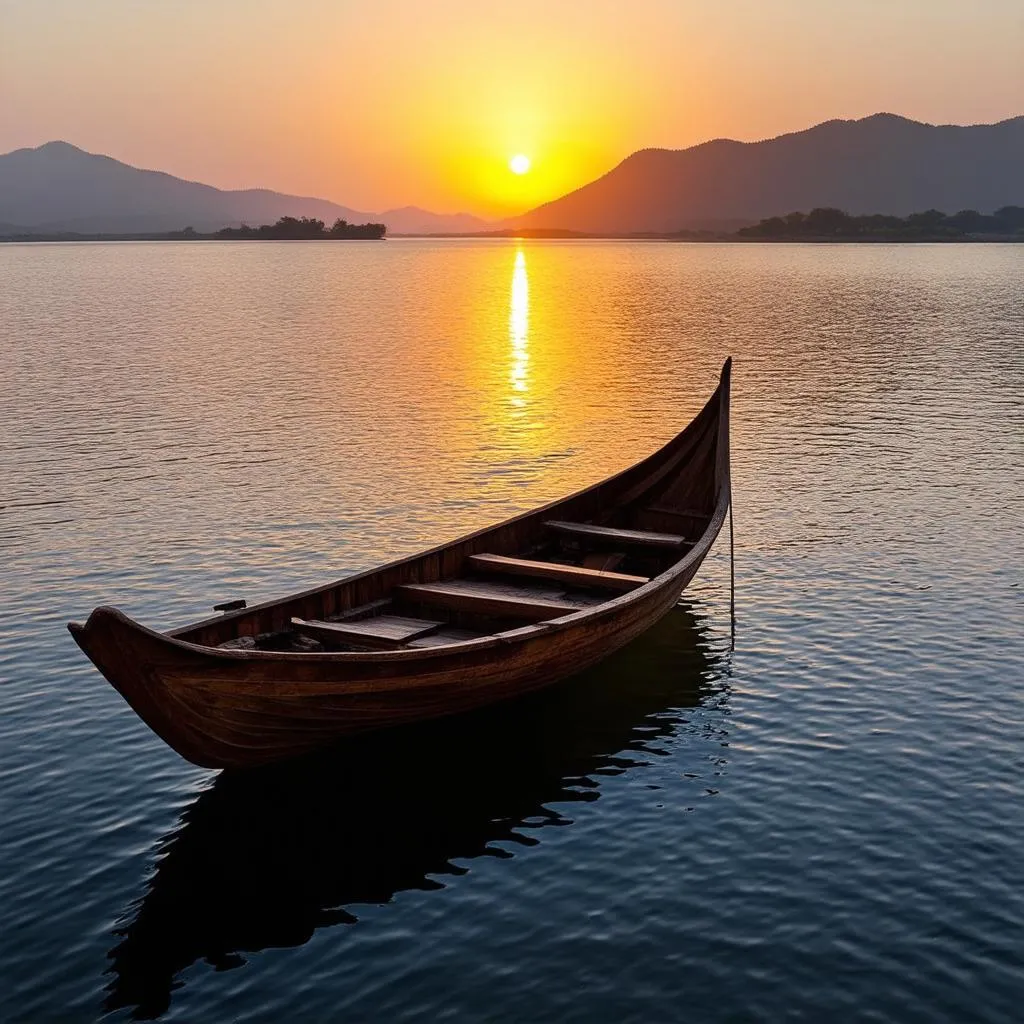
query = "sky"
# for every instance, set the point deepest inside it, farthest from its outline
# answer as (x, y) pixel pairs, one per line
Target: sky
(384, 103)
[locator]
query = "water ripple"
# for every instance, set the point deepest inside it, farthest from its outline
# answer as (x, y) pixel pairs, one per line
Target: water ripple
(826, 821)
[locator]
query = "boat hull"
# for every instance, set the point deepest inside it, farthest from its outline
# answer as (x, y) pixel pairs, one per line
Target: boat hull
(220, 711)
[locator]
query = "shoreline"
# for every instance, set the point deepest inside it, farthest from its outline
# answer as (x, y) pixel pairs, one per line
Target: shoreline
(158, 236)
(177, 236)
(732, 238)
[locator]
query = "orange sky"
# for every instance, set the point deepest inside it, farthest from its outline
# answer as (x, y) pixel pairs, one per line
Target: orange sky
(393, 102)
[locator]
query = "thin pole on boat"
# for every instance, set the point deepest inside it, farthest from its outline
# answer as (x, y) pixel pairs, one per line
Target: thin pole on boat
(732, 578)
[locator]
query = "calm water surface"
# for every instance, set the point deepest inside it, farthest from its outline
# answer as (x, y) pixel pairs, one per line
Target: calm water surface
(826, 822)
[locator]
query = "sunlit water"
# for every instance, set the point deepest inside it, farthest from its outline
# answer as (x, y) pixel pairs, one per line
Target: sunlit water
(826, 823)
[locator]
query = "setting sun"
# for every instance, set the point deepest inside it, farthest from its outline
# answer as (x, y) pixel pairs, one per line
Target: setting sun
(519, 164)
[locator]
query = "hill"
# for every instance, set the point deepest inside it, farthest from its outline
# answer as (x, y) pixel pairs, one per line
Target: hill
(59, 187)
(880, 164)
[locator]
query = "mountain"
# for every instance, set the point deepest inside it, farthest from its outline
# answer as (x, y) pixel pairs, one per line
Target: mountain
(880, 164)
(415, 221)
(58, 187)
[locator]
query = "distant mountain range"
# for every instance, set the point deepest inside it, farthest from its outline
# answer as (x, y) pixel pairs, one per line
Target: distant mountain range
(880, 164)
(58, 187)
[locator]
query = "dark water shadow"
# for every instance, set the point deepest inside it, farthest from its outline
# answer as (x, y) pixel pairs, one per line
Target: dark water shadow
(265, 858)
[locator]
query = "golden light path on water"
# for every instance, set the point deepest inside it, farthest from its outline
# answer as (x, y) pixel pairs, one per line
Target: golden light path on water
(518, 328)
(524, 381)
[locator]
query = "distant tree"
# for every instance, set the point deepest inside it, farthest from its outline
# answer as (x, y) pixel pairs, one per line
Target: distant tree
(773, 227)
(296, 228)
(827, 220)
(303, 229)
(880, 223)
(1010, 219)
(928, 220)
(342, 229)
(970, 221)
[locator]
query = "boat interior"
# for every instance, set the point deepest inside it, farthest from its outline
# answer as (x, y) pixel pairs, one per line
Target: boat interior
(584, 550)
(569, 566)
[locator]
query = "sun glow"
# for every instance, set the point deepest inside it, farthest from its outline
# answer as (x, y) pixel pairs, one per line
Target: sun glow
(519, 164)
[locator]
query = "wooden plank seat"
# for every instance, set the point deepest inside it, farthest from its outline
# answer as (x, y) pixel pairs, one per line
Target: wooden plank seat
(494, 599)
(688, 513)
(575, 575)
(446, 636)
(383, 632)
(635, 538)
(361, 611)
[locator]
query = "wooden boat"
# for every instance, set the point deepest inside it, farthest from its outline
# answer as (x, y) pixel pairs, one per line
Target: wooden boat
(498, 613)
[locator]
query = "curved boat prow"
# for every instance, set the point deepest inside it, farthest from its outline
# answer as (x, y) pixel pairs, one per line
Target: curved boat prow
(133, 659)
(107, 638)
(83, 632)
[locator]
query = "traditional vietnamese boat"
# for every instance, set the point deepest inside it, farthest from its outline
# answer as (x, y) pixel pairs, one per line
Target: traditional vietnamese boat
(498, 613)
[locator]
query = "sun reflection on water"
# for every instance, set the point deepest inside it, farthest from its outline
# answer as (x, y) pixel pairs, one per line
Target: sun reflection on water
(518, 328)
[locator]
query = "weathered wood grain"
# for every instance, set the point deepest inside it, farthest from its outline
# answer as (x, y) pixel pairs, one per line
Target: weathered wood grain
(444, 637)
(383, 632)
(575, 575)
(482, 598)
(613, 535)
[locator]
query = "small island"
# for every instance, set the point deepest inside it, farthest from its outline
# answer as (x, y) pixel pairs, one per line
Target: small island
(297, 229)
(303, 229)
(830, 224)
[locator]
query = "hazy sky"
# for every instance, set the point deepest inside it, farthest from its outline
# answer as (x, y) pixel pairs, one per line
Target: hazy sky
(380, 103)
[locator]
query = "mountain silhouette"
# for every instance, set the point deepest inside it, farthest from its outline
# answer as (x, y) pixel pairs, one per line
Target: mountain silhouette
(59, 187)
(880, 164)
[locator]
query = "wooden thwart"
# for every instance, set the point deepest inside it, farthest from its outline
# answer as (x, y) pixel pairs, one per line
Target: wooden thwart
(446, 636)
(575, 575)
(489, 599)
(369, 610)
(638, 538)
(687, 513)
(384, 632)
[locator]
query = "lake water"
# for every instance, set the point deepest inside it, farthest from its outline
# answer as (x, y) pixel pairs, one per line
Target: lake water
(826, 822)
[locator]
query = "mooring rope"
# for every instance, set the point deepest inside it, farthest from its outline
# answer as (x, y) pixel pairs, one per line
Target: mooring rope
(732, 576)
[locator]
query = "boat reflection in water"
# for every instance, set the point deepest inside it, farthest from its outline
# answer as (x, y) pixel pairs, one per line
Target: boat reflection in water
(266, 857)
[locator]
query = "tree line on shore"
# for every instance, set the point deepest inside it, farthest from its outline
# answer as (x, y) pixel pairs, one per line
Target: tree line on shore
(304, 228)
(828, 222)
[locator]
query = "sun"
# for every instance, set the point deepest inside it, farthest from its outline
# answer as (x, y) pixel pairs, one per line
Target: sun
(519, 164)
